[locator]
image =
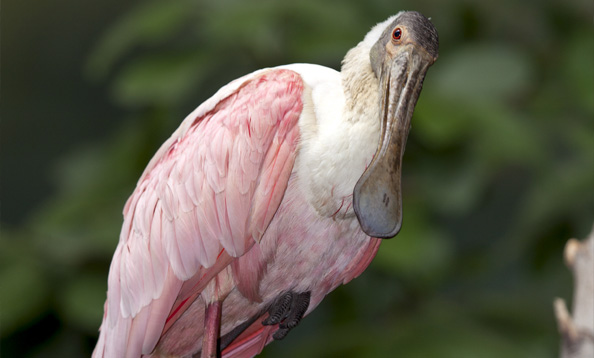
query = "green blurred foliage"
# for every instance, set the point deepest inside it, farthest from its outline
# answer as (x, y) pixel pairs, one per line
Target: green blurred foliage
(498, 174)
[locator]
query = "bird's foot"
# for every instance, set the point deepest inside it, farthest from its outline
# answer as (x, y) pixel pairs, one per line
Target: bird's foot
(287, 311)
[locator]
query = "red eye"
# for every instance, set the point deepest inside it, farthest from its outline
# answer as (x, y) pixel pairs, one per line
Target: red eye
(397, 34)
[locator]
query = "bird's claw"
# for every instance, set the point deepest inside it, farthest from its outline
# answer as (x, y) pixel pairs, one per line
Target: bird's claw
(287, 311)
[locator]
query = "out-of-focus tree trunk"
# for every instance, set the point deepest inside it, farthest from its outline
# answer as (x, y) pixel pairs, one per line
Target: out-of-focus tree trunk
(577, 331)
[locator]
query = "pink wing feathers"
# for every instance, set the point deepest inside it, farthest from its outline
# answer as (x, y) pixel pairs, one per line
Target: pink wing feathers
(205, 198)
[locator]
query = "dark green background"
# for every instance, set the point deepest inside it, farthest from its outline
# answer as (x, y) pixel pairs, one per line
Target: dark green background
(498, 172)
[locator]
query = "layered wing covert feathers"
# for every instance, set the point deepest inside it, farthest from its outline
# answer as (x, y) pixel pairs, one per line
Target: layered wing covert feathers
(204, 199)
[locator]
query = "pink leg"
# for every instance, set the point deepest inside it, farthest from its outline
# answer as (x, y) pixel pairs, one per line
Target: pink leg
(212, 327)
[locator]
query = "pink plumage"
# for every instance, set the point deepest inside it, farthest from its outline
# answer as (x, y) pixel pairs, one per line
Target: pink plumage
(204, 201)
(266, 198)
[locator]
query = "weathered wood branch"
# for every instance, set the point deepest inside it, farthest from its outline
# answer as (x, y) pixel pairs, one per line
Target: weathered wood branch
(577, 331)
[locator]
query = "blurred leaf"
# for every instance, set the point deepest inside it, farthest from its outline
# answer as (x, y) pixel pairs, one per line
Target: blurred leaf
(440, 122)
(561, 191)
(456, 188)
(481, 72)
(81, 300)
(455, 334)
(150, 23)
(419, 252)
(160, 79)
(270, 29)
(503, 137)
(83, 221)
(24, 289)
(579, 69)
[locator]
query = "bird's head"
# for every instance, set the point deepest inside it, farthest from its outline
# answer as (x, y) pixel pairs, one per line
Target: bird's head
(400, 57)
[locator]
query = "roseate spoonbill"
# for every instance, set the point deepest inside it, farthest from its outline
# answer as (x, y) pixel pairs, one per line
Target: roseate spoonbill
(268, 196)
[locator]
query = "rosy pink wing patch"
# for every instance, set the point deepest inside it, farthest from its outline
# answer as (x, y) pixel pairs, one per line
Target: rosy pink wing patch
(206, 197)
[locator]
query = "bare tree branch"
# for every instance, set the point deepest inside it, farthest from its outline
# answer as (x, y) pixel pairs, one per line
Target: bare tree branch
(577, 332)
